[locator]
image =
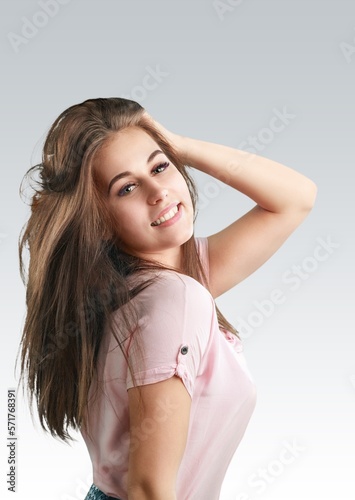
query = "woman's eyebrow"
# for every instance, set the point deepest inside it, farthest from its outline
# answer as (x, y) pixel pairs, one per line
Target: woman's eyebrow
(126, 172)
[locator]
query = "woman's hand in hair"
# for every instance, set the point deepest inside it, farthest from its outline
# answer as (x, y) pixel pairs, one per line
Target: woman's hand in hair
(176, 140)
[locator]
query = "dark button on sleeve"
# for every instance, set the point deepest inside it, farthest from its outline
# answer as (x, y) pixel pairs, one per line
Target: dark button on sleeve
(184, 349)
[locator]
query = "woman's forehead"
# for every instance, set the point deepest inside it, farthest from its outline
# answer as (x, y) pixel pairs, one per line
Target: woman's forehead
(124, 151)
(129, 144)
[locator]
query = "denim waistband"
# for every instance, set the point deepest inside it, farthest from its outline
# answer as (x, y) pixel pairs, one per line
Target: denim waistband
(95, 493)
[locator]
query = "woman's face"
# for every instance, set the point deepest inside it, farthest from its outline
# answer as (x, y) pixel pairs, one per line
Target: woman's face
(141, 187)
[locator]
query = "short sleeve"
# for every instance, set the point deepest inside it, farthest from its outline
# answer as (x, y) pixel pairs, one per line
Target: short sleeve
(174, 326)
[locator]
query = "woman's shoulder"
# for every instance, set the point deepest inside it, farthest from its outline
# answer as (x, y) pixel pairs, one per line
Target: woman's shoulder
(173, 295)
(170, 302)
(172, 287)
(170, 284)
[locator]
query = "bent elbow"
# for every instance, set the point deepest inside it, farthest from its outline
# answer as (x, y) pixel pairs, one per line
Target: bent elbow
(314, 191)
(309, 196)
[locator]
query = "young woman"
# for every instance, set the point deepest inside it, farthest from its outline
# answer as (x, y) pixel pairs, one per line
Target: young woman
(123, 340)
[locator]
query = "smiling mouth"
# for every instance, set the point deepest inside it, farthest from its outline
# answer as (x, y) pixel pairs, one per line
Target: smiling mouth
(167, 216)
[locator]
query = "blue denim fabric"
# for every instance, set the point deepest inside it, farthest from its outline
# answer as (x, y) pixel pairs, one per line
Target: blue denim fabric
(96, 494)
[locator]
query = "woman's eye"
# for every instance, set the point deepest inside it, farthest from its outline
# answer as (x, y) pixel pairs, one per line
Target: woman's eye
(161, 167)
(126, 189)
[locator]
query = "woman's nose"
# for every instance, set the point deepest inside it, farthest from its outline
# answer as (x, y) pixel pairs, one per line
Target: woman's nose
(156, 193)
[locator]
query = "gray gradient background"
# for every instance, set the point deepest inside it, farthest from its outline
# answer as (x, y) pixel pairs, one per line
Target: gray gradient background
(224, 78)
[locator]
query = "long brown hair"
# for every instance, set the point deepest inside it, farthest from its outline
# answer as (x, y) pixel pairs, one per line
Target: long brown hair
(77, 274)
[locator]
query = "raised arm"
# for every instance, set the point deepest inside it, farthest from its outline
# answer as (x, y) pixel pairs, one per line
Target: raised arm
(283, 199)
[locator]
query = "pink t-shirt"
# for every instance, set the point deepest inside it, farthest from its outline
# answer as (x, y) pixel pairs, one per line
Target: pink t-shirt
(179, 335)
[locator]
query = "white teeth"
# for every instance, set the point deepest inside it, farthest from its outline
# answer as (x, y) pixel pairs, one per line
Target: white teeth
(166, 217)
